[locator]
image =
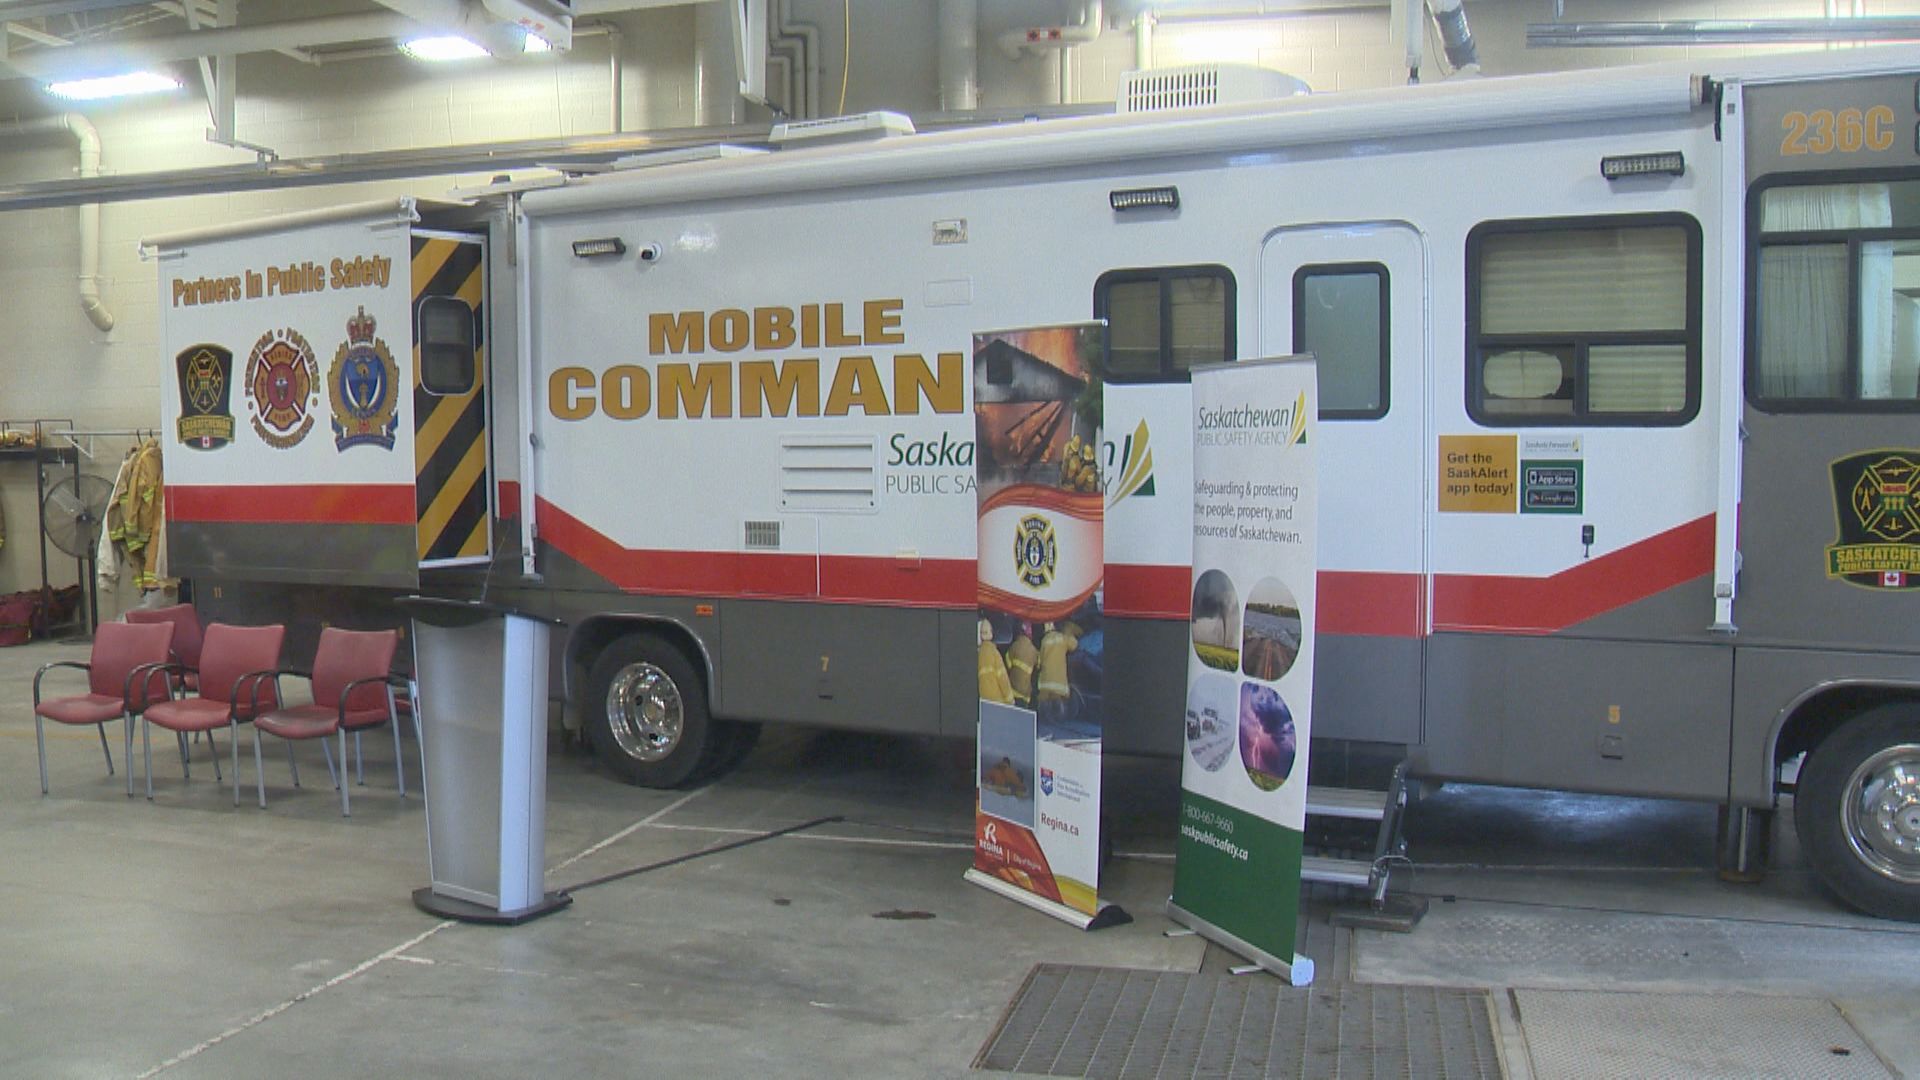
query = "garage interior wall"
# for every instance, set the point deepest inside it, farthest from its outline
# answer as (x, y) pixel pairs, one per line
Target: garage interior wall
(55, 363)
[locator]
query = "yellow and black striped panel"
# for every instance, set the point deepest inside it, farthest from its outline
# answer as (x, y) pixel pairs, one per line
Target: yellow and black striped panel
(450, 431)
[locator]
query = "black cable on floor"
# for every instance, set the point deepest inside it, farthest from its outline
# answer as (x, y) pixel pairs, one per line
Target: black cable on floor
(692, 855)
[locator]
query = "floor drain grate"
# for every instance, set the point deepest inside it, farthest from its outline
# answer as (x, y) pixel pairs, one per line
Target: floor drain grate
(1116, 1023)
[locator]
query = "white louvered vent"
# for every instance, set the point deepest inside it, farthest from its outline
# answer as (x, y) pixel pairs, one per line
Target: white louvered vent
(1202, 84)
(763, 536)
(829, 474)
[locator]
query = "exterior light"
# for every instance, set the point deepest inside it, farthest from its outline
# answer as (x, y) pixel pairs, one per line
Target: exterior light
(1667, 164)
(439, 49)
(591, 249)
(111, 86)
(1154, 198)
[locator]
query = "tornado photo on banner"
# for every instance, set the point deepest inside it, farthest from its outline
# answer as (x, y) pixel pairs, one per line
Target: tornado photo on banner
(1037, 408)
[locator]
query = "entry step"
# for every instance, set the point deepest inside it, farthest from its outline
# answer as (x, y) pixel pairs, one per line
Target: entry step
(1353, 873)
(1353, 803)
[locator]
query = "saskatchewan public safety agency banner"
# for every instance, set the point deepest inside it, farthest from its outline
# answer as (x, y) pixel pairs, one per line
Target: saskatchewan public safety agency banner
(1037, 404)
(1250, 668)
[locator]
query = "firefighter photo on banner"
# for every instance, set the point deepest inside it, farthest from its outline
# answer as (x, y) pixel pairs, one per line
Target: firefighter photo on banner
(1037, 407)
(1249, 708)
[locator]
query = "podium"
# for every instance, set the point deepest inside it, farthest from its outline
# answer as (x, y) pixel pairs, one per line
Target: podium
(480, 672)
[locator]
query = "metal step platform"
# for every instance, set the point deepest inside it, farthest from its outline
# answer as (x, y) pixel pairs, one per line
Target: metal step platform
(1371, 875)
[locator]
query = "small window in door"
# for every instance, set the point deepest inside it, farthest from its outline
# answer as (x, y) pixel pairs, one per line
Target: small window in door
(1590, 321)
(447, 366)
(1340, 316)
(1161, 321)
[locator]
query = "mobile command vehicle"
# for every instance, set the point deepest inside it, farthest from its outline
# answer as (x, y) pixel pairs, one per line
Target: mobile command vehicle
(1619, 376)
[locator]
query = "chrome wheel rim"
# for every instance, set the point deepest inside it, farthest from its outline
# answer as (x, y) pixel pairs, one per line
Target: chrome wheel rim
(1882, 813)
(644, 712)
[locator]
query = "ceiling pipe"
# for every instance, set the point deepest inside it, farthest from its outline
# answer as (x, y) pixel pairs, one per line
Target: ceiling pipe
(1724, 32)
(1012, 42)
(959, 55)
(806, 45)
(1143, 24)
(134, 53)
(89, 142)
(1455, 36)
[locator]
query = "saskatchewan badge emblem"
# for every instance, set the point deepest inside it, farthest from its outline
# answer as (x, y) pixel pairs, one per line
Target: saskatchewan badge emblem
(1034, 551)
(363, 383)
(283, 383)
(1874, 498)
(206, 388)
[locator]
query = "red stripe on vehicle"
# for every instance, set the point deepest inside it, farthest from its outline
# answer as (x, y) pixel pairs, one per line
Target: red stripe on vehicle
(1383, 605)
(1542, 605)
(508, 506)
(292, 504)
(1149, 592)
(835, 579)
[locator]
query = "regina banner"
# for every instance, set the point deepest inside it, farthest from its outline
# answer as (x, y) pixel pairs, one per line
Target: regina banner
(1040, 639)
(1250, 665)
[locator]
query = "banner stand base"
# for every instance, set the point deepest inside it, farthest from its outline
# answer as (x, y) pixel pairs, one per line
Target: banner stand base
(1106, 915)
(1298, 972)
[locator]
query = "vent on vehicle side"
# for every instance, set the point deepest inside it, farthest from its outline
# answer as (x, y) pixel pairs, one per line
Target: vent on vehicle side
(763, 536)
(827, 474)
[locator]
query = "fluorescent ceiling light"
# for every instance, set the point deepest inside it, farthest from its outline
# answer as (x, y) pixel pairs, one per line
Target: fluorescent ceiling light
(537, 44)
(110, 86)
(442, 48)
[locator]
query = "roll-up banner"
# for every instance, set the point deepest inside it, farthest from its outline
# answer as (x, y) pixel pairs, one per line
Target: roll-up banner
(1250, 668)
(1037, 405)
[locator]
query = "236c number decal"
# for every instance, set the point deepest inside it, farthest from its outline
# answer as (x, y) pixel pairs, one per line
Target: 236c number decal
(1827, 131)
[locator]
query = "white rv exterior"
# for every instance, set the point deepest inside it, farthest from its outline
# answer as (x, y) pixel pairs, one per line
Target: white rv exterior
(727, 437)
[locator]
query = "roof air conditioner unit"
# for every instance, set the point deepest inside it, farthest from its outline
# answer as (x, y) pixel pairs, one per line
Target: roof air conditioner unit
(1202, 84)
(861, 128)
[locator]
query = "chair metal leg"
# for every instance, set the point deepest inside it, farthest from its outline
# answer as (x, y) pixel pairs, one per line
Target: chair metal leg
(339, 778)
(146, 744)
(292, 765)
(359, 762)
(259, 770)
(213, 751)
(102, 729)
(128, 756)
(399, 763)
(40, 738)
(186, 758)
(344, 812)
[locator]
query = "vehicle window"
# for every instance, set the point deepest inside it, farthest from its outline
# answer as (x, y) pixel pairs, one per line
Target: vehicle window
(1340, 316)
(447, 364)
(1836, 297)
(1590, 321)
(1162, 321)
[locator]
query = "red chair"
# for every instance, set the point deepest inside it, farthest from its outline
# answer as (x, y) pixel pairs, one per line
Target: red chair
(124, 657)
(235, 662)
(352, 692)
(186, 637)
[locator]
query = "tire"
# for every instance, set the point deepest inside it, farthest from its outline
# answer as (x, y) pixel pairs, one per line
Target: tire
(1857, 811)
(646, 710)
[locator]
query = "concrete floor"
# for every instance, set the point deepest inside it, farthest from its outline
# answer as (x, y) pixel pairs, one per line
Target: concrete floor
(193, 939)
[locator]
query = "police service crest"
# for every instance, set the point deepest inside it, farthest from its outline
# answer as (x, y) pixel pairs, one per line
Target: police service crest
(363, 383)
(283, 383)
(1035, 552)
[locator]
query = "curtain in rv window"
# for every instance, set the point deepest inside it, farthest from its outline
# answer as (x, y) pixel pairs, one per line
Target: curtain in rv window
(1595, 321)
(1161, 321)
(1820, 246)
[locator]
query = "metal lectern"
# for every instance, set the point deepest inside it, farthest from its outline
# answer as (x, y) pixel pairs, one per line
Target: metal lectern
(481, 705)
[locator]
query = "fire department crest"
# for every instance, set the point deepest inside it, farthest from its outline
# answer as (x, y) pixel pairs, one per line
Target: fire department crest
(363, 383)
(1034, 551)
(283, 387)
(1874, 498)
(206, 388)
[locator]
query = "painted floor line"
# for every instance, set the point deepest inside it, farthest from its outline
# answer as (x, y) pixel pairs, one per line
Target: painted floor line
(944, 845)
(631, 829)
(262, 1017)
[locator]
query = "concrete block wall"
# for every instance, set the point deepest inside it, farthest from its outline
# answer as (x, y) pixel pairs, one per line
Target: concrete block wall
(53, 362)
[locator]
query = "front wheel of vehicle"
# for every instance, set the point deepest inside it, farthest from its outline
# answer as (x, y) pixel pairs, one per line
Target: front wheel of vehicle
(647, 712)
(1857, 811)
